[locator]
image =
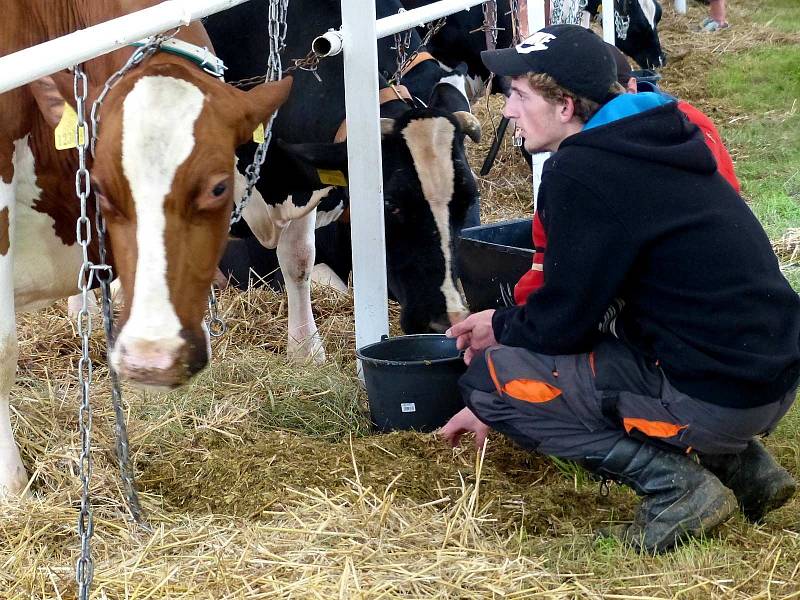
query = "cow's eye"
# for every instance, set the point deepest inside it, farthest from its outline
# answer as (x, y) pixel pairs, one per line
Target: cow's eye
(219, 189)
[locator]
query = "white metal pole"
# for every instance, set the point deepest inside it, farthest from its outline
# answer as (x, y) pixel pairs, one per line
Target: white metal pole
(32, 63)
(608, 21)
(418, 16)
(536, 15)
(366, 173)
(680, 7)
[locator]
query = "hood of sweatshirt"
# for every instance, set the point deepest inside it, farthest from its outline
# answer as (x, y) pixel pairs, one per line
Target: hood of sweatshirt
(648, 126)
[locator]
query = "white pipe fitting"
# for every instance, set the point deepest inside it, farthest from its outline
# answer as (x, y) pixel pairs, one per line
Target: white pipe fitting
(327, 44)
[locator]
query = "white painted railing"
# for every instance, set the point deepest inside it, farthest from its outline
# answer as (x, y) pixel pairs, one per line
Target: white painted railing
(37, 61)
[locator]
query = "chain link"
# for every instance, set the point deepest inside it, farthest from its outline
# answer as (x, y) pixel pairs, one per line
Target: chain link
(402, 65)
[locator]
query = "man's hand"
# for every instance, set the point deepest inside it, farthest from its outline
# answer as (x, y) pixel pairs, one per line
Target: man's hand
(473, 334)
(463, 422)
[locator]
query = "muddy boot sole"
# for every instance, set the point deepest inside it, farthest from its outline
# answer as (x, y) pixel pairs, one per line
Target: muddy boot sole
(777, 493)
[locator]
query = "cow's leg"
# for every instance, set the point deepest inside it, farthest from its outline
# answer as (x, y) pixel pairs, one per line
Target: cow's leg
(296, 258)
(13, 478)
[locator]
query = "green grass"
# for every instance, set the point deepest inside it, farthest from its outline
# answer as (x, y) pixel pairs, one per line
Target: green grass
(766, 143)
(780, 14)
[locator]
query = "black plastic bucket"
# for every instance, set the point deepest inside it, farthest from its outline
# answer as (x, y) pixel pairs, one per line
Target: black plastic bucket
(412, 381)
(492, 258)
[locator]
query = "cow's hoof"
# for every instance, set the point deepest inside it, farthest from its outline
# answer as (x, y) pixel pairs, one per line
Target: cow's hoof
(309, 350)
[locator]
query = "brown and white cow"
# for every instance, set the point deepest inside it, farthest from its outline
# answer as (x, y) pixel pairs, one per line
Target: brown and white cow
(164, 174)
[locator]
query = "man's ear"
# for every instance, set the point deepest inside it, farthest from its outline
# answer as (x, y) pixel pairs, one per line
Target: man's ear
(257, 105)
(567, 110)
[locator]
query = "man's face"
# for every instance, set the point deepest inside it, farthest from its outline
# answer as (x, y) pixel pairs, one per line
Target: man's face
(542, 123)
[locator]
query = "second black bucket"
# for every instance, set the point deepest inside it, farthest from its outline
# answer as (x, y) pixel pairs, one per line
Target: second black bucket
(412, 381)
(491, 260)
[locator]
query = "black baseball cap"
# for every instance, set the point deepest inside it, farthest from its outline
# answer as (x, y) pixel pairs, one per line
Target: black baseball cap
(624, 72)
(575, 57)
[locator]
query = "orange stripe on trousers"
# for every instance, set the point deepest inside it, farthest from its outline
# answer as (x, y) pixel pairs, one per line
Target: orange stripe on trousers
(659, 429)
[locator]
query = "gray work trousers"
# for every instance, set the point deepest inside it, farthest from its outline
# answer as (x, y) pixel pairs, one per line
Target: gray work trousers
(551, 404)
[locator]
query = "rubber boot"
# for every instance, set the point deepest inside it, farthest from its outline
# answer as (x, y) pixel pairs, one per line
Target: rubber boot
(681, 498)
(759, 483)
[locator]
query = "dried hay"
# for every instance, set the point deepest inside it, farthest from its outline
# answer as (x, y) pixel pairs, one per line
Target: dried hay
(261, 478)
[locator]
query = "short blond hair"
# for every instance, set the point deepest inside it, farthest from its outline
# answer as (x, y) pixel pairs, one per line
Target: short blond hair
(547, 87)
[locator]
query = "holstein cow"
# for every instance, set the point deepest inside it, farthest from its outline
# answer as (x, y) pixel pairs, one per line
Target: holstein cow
(164, 177)
(640, 40)
(462, 39)
(429, 188)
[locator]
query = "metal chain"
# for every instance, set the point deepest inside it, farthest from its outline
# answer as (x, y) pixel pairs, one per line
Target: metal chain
(105, 276)
(84, 568)
(402, 42)
(516, 30)
(490, 28)
(216, 326)
(622, 20)
(571, 16)
(432, 30)
(277, 42)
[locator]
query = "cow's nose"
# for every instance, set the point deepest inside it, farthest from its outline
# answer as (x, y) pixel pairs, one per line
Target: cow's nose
(157, 363)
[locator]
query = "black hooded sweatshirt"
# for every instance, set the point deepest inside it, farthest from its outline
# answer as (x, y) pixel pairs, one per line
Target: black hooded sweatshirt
(635, 210)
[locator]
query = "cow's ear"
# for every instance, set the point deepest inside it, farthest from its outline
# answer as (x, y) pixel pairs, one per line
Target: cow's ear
(318, 164)
(446, 96)
(259, 104)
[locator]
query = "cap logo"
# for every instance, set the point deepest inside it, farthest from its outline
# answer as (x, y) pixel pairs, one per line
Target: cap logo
(538, 41)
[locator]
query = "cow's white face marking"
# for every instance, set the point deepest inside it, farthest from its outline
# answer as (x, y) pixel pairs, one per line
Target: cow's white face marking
(154, 144)
(649, 9)
(430, 142)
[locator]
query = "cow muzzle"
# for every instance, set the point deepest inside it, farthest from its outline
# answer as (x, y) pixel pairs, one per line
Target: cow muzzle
(159, 363)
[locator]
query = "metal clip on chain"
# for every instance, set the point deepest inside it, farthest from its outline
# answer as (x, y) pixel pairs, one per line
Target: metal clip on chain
(216, 326)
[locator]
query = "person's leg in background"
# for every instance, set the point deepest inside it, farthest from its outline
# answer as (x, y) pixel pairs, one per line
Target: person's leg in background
(717, 18)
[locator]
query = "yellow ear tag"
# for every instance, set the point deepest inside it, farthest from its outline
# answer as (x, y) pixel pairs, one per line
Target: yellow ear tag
(65, 130)
(332, 177)
(258, 134)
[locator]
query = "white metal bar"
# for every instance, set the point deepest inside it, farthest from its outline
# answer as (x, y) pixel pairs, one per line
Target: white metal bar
(366, 173)
(418, 16)
(32, 63)
(680, 7)
(536, 15)
(608, 21)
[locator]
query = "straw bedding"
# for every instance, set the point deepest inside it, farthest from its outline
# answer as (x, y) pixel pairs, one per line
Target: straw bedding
(261, 478)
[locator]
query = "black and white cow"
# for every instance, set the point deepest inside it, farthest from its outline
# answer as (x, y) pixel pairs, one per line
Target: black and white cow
(461, 40)
(429, 189)
(640, 40)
